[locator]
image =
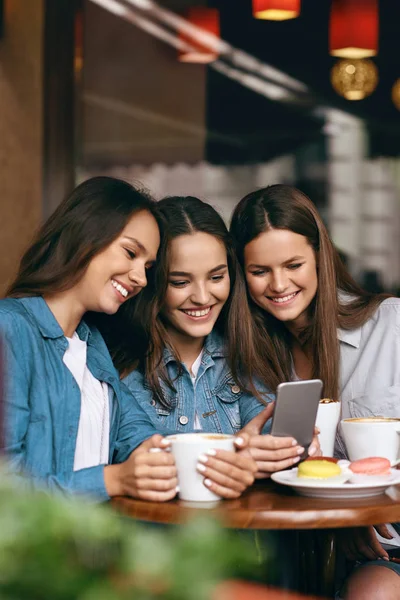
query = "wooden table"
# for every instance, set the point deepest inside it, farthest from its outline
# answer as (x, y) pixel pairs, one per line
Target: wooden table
(270, 506)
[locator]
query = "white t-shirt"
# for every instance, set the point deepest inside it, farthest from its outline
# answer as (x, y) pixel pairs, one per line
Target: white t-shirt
(92, 443)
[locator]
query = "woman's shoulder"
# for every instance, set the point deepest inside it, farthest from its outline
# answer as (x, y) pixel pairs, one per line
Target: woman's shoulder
(384, 321)
(14, 314)
(135, 381)
(19, 332)
(388, 311)
(11, 305)
(385, 310)
(391, 301)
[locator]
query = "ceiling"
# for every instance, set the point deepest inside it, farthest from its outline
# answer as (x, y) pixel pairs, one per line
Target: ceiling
(300, 48)
(142, 106)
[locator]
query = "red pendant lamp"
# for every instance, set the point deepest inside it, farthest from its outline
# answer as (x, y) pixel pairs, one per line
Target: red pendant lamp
(276, 10)
(208, 20)
(354, 28)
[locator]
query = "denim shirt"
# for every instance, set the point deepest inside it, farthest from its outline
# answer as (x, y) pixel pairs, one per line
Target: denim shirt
(43, 400)
(221, 406)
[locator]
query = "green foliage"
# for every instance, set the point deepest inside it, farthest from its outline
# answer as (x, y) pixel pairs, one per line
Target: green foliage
(57, 549)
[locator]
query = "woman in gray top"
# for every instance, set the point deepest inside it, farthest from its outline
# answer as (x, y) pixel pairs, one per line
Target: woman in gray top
(315, 321)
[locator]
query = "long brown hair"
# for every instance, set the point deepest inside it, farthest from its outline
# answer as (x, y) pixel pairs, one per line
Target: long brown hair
(85, 223)
(185, 216)
(285, 207)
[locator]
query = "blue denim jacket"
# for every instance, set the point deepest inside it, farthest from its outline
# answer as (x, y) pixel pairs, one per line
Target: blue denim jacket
(42, 400)
(222, 407)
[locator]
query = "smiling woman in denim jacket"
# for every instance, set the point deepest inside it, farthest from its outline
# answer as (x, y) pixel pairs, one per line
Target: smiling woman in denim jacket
(190, 376)
(71, 425)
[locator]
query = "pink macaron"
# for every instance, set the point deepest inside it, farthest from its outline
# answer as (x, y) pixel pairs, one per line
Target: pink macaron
(370, 471)
(374, 465)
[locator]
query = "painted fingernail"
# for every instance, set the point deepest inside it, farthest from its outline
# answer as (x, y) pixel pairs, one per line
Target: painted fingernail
(154, 450)
(177, 489)
(201, 467)
(211, 452)
(312, 450)
(294, 443)
(385, 558)
(295, 460)
(300, 451)
(208, 482)
(239, 441)
(203, 458)
(165, 442)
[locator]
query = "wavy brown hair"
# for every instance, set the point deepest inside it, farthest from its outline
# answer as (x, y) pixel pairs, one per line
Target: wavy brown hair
(186, 216)
(83, 225)
(285, 207)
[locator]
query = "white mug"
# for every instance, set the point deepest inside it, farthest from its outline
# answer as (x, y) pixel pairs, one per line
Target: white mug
(372, 436)
(328, 416)
(186, 448)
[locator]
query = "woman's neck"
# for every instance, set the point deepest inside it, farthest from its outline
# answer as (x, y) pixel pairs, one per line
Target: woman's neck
(186, 347)
(67, 310)
(301, 360)
(298, 326)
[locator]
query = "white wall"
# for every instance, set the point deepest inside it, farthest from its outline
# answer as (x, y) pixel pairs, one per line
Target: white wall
(221, 186)
(364, 200)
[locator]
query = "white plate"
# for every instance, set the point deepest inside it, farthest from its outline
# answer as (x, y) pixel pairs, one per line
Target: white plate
(336, 487)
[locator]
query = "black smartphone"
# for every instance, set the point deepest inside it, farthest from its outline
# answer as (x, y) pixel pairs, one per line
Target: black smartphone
(295, 412)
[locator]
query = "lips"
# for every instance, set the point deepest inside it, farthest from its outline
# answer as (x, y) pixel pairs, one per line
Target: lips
(197, 312)
(123, 290)
(283, 299)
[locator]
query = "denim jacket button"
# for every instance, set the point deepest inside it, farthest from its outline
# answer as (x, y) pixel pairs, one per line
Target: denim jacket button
(153, 403)
(183, 420)
(235, 389)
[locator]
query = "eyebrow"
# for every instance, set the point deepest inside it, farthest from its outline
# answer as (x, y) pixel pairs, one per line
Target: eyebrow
(290, 260)
(185, 274)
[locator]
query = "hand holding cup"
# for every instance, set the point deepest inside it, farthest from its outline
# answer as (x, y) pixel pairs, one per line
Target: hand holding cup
(149, 473)
(209, 468)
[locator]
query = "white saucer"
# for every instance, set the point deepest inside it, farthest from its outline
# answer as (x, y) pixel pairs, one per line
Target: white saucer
(337, 487)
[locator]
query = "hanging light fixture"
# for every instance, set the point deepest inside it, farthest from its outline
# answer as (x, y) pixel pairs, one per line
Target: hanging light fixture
(276, 10)
(206, 19)
(354, 79)
(354, 28)
(396, 94)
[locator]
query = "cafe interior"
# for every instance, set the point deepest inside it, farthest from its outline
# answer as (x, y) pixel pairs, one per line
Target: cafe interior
(212, 99)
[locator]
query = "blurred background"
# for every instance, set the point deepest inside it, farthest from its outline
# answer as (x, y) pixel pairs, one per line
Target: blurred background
(211, 99)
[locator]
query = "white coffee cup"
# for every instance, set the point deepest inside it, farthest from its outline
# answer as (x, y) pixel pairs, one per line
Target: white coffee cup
(328, 416)
(372, 436)
(186, 448)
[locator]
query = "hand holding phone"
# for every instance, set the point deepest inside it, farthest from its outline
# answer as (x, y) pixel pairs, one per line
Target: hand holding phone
(296, 409)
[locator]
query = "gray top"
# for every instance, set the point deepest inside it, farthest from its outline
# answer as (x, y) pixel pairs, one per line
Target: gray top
(370, 365)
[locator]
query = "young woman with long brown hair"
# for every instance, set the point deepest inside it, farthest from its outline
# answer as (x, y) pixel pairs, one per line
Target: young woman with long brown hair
(313, 320)
(191, 377)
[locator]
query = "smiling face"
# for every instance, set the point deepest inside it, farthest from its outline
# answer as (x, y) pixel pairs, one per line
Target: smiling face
(119, 271)
(198, 285)
(281, 275)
